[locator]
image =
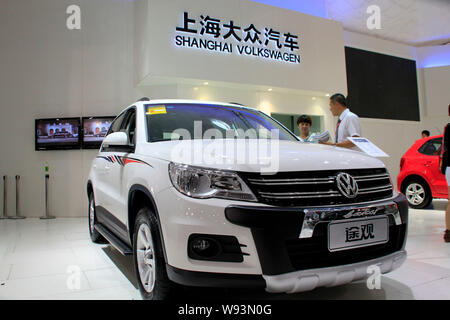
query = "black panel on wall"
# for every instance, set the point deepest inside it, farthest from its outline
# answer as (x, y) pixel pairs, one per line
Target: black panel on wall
(382, 86)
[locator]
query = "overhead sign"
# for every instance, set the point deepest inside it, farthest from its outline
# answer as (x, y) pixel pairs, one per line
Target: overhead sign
(210, 34)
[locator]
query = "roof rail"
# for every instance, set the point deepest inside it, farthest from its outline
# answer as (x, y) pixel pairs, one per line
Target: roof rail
(144, 99)
(239, 104)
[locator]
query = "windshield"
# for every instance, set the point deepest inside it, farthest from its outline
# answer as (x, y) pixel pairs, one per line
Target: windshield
(202, 121)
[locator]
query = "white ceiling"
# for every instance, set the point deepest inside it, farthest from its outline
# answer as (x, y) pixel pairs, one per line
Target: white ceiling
(414, 22)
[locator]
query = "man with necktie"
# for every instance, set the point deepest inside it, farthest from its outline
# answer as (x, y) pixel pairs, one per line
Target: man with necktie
(348, 124)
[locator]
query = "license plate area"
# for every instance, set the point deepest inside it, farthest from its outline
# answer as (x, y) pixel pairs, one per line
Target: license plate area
(358, 233)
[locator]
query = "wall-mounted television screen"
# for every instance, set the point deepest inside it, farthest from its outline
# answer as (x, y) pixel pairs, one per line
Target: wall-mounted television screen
(381, 86)
(94, 131)
(57, 134)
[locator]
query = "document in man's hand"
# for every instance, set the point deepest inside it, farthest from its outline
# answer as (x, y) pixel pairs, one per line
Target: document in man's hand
(368, 147)
(323, 137)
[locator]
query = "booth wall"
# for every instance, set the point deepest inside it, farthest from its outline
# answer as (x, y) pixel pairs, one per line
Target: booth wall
(436, 92)
(48, 71)
(322, 66)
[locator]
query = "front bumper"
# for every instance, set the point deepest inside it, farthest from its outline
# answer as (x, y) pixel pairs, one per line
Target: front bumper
(308, 280)
(283, 247)
(287, 261)
(293, 282)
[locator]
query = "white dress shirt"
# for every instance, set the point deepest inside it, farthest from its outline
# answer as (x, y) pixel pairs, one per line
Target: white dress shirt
(308, 138)
(349, 127)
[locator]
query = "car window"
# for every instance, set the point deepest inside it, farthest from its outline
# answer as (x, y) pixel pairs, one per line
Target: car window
(129, 125)
(200, 121)
(431, 147)
(116, 125)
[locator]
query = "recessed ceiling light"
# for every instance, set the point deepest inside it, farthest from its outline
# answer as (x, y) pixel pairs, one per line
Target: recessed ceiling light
(270, 89)
(327, 95)
(196, 88)
(314, 98)
(205, 83)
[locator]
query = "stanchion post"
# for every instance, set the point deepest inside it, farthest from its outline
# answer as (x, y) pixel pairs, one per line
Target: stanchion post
(46, 215)
(17, 216)
(5, 198)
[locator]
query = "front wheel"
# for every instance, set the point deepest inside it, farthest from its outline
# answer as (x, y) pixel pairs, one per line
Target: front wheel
(418, 194)
(149, 261)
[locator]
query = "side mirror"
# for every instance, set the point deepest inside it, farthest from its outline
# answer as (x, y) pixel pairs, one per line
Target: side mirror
(116, 139)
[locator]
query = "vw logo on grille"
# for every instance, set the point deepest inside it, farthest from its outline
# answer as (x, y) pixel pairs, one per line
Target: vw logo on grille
(347, 185)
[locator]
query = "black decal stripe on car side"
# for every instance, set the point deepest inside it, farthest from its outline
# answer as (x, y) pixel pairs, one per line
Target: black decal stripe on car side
(104, 158)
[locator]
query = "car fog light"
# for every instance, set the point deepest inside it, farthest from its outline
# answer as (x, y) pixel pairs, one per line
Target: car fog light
(200, 245)
(205, 247)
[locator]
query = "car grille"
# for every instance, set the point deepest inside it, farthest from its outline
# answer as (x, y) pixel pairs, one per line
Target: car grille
(313, 252)
(317, 188)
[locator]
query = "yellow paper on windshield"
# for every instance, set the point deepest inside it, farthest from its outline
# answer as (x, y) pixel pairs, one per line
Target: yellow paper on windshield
(157, 110)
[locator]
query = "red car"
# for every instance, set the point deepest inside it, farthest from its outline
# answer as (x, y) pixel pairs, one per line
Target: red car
(420, 178)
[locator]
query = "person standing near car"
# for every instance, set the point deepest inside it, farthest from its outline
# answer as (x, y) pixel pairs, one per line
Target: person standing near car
(304, 123)
(348, 124)
(445, 169)
(425, 134)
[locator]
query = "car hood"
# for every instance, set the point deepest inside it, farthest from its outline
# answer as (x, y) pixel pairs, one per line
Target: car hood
(255, 155)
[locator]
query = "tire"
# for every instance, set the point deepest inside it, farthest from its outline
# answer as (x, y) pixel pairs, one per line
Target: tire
(95, 236)
(149, 263)
(417, 193)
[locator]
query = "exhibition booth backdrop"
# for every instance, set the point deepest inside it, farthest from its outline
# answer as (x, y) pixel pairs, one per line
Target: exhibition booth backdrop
(129, 49)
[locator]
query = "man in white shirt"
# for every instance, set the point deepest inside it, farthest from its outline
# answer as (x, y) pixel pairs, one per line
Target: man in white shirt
(348, 124)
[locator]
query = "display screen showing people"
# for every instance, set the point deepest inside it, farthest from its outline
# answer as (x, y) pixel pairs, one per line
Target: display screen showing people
(95, 130)
(57, 133)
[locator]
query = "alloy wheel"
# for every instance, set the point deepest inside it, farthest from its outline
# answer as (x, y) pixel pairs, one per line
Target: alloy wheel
(91, 215)
(146, 258)
(415, 194)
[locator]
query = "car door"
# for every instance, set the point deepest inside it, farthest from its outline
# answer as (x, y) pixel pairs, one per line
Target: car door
(430, 151)
(114, 215)
(119, 197)
(102, 166)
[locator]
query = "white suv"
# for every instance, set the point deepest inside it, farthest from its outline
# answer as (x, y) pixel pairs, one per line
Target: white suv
(199, 201)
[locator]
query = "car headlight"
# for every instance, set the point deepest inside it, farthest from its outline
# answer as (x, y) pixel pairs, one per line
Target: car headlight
(394, 186)
(203, 183)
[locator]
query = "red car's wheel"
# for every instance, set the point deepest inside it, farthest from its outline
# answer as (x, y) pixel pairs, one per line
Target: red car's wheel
(417, 193)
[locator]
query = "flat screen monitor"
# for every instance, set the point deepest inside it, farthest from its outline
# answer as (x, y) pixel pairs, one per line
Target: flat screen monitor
(57, 134)
(382, 86)
(95, 130)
